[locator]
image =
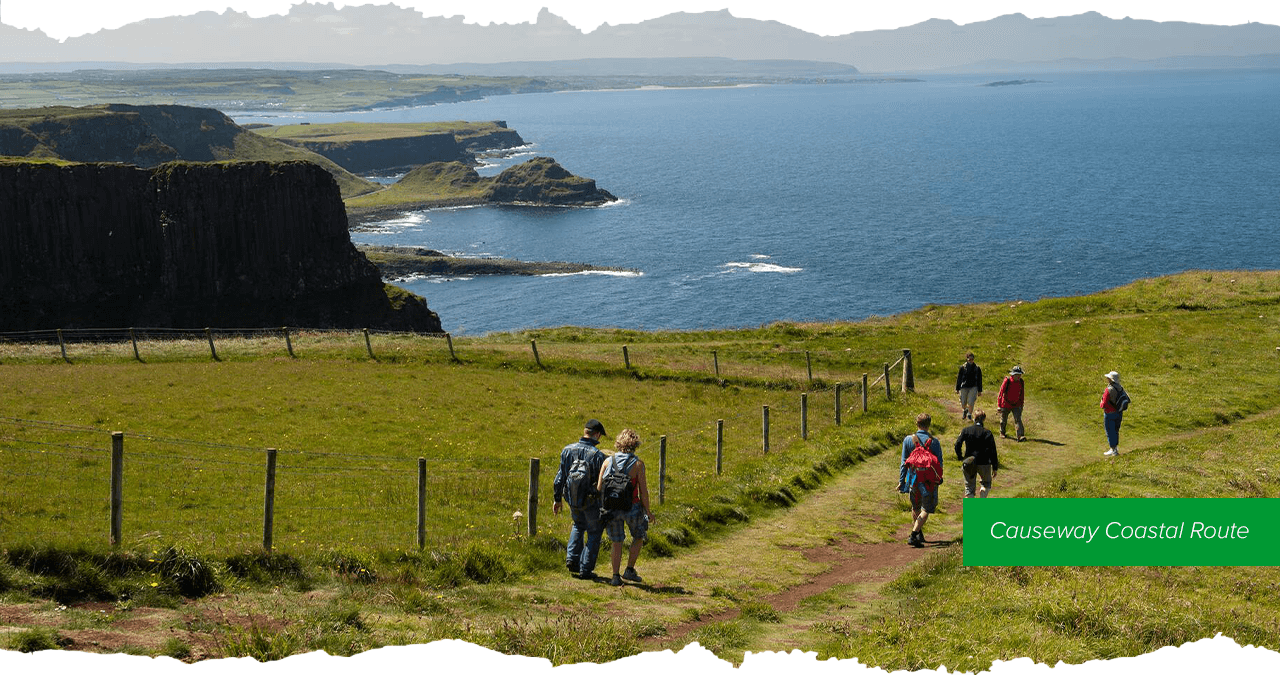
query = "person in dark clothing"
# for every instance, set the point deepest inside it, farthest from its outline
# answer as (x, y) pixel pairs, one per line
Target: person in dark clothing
(575, 483)
(979, 458)
(968, 386)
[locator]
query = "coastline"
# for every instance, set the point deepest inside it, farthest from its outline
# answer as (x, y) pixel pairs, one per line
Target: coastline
(400, 262)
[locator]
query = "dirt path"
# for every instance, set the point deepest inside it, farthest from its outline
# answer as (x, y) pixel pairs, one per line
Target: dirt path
(850, 535)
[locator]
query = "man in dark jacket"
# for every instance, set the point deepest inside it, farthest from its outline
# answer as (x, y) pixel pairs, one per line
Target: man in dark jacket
(979, 458)
(575, 483)
(968, 386)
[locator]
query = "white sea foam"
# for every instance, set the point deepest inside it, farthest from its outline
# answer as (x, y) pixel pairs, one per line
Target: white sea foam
(606, 273)
(760, 256)
(760, 267)
(431, 278)
(407, 221)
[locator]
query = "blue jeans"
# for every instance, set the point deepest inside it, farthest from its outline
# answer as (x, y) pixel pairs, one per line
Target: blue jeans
(1112, 421)
(586, 521)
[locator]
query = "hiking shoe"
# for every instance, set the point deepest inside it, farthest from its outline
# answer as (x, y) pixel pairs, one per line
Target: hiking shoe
(588, 576)
(630, 575)
(615, 581)
(1111, 453)
(1022, 438)
(573, 569)
(917, 539)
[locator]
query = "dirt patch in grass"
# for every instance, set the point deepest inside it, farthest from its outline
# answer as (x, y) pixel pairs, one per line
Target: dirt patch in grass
(851, 563)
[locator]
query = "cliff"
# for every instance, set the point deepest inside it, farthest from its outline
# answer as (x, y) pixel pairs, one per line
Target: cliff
(365, 147)
(540, 181)
(241, 244)
(148, 135)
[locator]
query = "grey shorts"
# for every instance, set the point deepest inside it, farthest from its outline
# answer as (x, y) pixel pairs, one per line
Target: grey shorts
(968, 396)
(634, 520)
(923, 498)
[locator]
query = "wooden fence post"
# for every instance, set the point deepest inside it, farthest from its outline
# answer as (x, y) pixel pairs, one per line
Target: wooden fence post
(534, 345)
(804, 417)
(626, 359)
(369, 345)
(766, 430)
(719, 446)
(808, 362)
(888, 386)
(449, 338)
(908, 373)
(63, 346)
(208, 333)
(117, 486)
(715, 361)
(422, 503)
(269, 502)
(837, 404)
(662, 469)
(533, 496)
(134, 338)
(288, 343)
(864, 392)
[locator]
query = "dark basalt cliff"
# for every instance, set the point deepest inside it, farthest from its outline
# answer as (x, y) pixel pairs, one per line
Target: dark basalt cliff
(241, 244)
(364, 155)
(389, 153)
(148, 135)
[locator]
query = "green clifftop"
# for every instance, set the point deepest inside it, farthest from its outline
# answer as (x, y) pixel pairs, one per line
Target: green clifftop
(540, 181)
(148, 136)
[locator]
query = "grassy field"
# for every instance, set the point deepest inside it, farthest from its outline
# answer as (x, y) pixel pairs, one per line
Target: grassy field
(799, 548)
(254, 89)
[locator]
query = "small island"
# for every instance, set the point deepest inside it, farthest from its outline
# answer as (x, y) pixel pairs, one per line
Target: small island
(399, 262)
(1009, 83)
(540, 181)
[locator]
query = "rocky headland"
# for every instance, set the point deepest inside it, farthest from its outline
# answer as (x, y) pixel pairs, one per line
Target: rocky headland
(399, 262)
(540, 181)
(235, 244)
(365, 148)
(149, 135)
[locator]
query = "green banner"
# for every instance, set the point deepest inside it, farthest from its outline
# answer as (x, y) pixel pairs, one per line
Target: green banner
(1121, 531)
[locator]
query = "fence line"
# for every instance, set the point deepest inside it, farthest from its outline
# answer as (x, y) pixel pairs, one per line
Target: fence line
(443, 496)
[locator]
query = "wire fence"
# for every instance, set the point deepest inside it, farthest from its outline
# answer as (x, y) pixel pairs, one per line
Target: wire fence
(57, 478)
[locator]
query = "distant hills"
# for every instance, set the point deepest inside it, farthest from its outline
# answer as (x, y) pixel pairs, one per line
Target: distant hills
(1120, 63)
(658, 67)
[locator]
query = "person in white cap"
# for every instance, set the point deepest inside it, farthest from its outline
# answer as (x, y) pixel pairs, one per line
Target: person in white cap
(1114, 402)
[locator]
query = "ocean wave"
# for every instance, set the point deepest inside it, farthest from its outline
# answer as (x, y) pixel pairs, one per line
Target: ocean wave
(760, 256)
(408, 220)
(760, 267)
(429, 278)
(607, 273)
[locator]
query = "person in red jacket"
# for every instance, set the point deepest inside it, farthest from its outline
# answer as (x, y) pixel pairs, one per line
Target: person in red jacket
(1009, 400)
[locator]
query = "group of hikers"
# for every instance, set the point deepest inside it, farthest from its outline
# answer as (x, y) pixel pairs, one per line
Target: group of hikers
(920, 473)
(610, 494)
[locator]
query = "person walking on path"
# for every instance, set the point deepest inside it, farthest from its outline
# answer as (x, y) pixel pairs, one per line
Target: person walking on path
(1009, 400)
(1115, 400)
(979, 459)
(579, 463)
(625, 503)
(919, 477)
(968, 386)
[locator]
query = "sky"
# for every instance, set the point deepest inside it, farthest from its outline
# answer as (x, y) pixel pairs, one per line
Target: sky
(389, 33)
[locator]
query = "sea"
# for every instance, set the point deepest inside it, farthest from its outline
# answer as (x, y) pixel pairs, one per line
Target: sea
(748, 205)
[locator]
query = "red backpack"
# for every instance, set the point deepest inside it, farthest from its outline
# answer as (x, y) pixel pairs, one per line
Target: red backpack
(923, 465)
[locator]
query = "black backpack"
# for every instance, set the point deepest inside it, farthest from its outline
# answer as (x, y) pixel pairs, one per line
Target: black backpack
(617, 491)
(580, 480)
